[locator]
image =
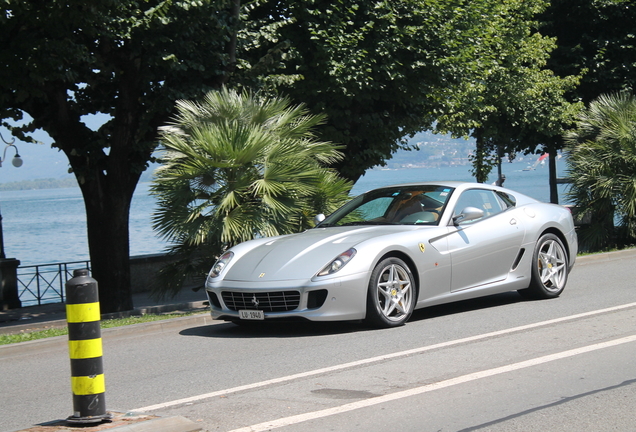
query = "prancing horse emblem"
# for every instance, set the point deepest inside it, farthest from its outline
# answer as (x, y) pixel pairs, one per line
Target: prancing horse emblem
(255, 301)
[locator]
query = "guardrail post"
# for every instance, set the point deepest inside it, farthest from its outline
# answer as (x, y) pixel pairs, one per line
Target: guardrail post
(85, 349)
(9, 298)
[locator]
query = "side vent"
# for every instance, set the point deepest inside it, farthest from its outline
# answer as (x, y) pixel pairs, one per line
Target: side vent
(316, 299)
(517, 260)
(214, 300)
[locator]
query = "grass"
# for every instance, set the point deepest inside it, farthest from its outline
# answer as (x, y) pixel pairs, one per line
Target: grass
(109, 323)
(617, 249)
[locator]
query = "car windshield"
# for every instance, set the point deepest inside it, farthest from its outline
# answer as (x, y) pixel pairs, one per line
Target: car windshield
(398, 205)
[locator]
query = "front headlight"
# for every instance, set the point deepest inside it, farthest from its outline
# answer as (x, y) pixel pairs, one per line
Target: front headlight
(338, 263)
(220, 264)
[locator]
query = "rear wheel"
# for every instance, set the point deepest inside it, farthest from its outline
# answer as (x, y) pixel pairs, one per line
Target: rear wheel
(549, 269)
(391, 294)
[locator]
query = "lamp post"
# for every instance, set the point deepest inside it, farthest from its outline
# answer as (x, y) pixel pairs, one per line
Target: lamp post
(9, 297)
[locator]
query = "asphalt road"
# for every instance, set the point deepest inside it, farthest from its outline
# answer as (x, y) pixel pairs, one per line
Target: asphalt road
(495, 364)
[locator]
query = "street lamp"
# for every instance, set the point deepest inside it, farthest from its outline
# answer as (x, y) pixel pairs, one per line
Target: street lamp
(17, 162)
(9, 297)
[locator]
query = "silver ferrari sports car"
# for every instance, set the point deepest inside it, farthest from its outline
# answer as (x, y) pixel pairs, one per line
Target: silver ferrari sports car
(395, 249)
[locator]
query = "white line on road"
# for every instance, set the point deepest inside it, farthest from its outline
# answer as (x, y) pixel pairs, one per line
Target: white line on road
(287, 421)
(377, 359)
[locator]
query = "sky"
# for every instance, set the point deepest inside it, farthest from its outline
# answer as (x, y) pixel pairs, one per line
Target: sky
(40, 161)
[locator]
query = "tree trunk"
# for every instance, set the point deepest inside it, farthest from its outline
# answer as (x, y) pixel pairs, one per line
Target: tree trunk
(480, 167)
(500, 176)
(554, 191)
(107, 176)
(107, 216)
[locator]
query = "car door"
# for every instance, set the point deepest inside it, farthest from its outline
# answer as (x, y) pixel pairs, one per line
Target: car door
(483, 251)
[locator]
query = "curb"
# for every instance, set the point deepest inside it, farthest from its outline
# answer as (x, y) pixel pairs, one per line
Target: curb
(606, 256)
(144, 310)
(123, 422)
(167, 424)
(134, 329)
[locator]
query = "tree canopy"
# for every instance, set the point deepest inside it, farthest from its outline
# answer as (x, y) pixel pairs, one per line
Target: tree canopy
(384, 70)
(594, 38)
(369, 66)
(512, 102)
(130, 60)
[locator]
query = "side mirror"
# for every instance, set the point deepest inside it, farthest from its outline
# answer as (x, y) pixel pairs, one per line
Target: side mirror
(319, 218)
(468, 214)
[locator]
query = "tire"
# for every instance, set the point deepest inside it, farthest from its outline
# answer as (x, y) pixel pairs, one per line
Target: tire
(391, 294)
(549, 269)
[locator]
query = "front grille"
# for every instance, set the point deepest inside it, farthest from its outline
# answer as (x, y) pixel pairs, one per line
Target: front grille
(279, 301)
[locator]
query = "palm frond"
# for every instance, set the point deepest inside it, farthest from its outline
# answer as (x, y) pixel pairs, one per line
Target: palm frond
(602, 166)
(237, 166)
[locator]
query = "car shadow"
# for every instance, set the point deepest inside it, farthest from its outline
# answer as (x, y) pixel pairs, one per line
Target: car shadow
(288, 329)
(294, 329)
(491, 301)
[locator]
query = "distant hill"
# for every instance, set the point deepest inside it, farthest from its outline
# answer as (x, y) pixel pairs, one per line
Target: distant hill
(432, 150)
(48, 183)
(46, 167)
(54, 183)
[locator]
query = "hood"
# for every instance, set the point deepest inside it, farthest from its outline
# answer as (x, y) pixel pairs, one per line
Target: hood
(301, 256)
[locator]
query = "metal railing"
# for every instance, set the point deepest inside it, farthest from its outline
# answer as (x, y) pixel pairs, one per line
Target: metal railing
(44, 283)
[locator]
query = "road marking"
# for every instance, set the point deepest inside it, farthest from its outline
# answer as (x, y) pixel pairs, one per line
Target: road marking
(287, 421)
(377, 359)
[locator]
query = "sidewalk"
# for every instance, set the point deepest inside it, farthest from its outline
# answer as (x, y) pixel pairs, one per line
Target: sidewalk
(53, 315)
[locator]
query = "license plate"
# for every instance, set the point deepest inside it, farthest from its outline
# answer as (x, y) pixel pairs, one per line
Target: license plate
(251, 314)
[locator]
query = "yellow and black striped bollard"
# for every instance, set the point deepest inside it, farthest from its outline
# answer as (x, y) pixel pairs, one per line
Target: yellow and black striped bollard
(85, 349)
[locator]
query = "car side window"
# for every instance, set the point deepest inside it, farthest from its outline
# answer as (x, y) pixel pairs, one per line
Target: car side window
(484, 200)
(507, 200)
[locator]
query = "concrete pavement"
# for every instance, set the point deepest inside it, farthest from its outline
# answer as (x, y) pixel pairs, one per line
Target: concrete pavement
(34, 318)
(53, 315)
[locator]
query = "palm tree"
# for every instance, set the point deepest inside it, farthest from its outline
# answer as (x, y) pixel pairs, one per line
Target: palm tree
(235, 167)
(602, 168)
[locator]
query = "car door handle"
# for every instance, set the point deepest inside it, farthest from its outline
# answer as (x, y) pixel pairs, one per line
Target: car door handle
(513, 221)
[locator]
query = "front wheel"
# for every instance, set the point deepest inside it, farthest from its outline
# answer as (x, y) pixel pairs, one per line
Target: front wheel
(549, 269)
(391, 294)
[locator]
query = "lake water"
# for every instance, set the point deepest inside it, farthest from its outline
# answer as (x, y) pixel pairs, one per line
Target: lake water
(49, 226)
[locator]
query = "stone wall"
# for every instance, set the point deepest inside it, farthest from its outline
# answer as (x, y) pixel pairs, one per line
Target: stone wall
(144, 270)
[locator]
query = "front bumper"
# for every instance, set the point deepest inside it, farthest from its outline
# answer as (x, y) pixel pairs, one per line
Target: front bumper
(333, 299)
